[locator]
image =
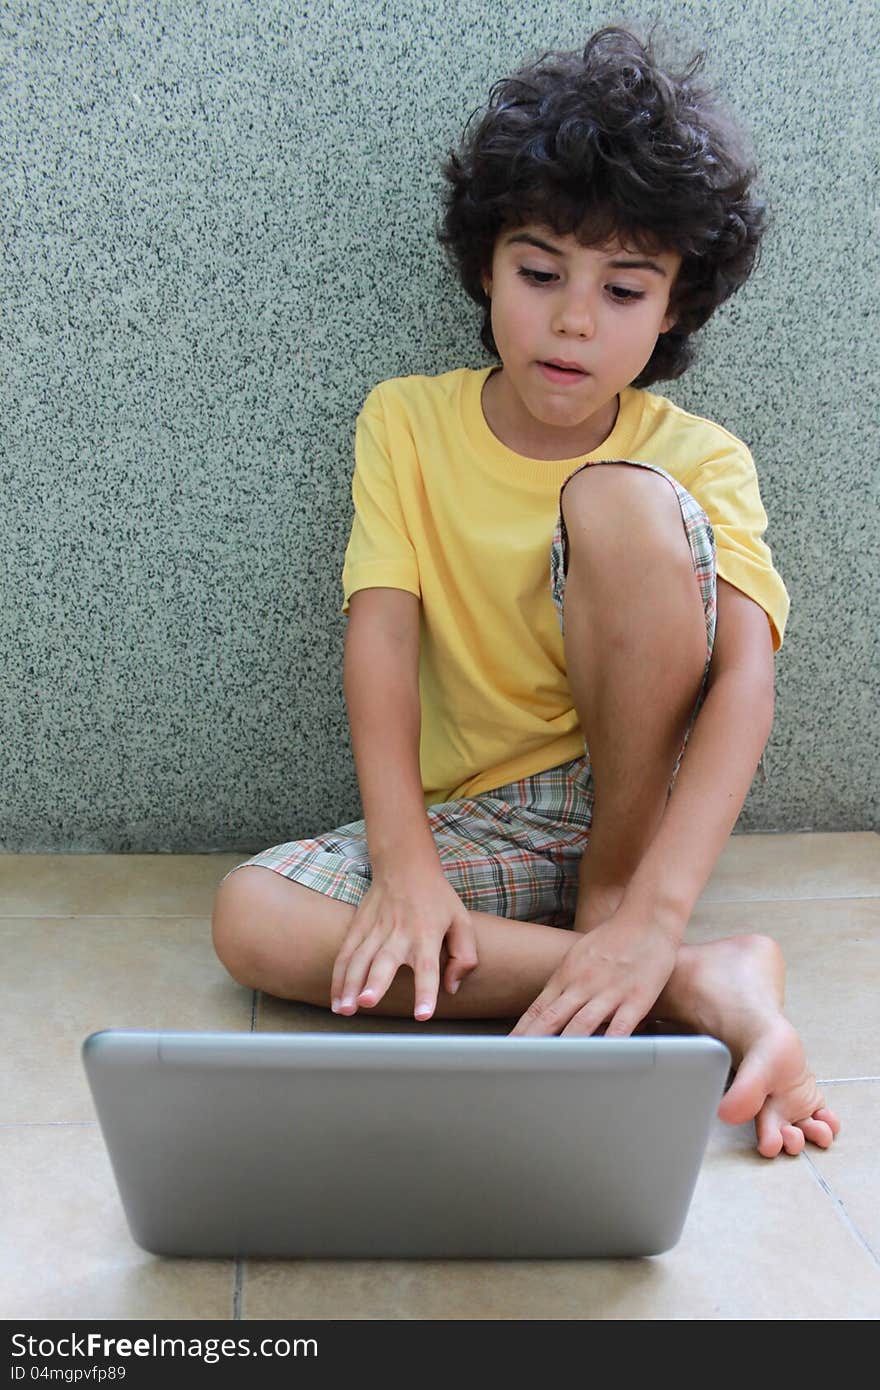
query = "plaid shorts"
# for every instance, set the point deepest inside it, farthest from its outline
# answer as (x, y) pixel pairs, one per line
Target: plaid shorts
(515, 851)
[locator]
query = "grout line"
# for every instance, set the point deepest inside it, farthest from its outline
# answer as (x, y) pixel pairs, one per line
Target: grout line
(72, 915)
(841, 1209)
(842, 897)
(843, 1080)
(238, 1278)
(237, 1290)
(106, 916)
(53, 1124)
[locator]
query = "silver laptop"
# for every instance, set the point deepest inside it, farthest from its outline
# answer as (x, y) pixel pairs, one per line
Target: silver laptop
(401, 1146)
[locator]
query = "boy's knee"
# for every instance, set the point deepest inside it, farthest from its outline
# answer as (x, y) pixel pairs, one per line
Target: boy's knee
(238, 906)
(608, 500)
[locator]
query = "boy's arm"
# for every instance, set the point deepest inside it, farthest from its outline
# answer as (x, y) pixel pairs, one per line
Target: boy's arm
(718, 767)
(616, 971)
(381, 684)
(410, 912)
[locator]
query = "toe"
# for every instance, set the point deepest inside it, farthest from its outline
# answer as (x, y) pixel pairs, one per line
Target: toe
(769, 1134)
(746, 1095)
(829, 1118)
(793, 1139)
(817, 1132)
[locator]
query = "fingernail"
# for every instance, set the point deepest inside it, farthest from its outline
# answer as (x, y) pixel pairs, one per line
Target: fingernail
(334, 1005)
(347, 1003)
(453, 989)
(423, 1010)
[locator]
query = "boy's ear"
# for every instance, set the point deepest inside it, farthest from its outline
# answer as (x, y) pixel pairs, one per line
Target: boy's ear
(486, 282)
(669, 321)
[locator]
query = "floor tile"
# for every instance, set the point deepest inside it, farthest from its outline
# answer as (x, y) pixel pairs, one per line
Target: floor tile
(130, 946)
(111, 885)
(751, 867)
(762, 1241)
(832, 955)
(66, 1251)
(64, 978)
(850, 1168)
(772, 867)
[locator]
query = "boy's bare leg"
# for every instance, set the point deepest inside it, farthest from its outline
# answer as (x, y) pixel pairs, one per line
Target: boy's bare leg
(275, 935)
(631, 599)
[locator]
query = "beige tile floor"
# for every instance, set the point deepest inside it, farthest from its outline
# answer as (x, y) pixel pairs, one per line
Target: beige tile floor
(92, 941)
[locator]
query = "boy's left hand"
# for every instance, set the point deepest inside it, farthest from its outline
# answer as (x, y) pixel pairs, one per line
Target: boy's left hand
(614, 972)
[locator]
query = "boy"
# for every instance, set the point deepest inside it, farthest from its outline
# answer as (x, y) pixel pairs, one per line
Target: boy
(520, 698)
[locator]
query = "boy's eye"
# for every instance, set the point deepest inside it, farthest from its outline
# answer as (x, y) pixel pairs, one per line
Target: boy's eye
(624, 295)
(537, 277)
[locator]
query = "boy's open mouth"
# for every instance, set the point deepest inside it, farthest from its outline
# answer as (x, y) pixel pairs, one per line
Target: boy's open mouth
(563, 370)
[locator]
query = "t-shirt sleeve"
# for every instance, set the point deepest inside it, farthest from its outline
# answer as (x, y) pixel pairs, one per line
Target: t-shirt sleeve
(380, 553)
(727, 489)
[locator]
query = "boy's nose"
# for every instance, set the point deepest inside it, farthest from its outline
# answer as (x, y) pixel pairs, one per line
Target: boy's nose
(574, 318)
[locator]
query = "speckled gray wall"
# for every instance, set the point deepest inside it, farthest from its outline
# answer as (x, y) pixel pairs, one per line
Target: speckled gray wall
(218, 235)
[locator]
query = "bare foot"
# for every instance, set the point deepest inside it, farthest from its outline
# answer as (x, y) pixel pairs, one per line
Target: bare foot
(733, 990)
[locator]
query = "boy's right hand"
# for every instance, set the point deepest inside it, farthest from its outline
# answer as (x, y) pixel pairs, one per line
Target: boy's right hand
(404, 922)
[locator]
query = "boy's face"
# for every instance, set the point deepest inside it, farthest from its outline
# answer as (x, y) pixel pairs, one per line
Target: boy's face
(596, 310)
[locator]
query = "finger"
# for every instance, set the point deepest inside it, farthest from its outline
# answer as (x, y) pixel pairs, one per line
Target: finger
(528, 1022)
(383, 970)
(427, 983)
(586, 1020)
(547, 1015)
(360, 927)
(340, 973)
(356, 974)
(625, 1021)
(340, 970)
(461, 948)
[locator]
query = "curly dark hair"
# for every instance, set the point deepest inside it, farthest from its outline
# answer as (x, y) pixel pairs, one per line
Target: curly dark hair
(607, 143)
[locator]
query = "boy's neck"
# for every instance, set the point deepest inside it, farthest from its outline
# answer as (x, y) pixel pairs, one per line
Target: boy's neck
(518, 431)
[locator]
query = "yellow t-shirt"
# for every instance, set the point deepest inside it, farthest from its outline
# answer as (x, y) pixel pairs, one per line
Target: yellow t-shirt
(447, 512)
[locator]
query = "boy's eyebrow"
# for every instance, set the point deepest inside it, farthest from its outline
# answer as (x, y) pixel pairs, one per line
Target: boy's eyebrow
(636, 263)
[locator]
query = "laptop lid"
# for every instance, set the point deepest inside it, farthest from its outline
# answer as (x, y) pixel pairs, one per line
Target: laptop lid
(393, 1145)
